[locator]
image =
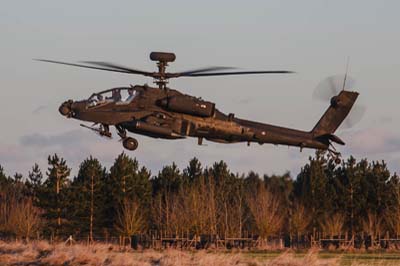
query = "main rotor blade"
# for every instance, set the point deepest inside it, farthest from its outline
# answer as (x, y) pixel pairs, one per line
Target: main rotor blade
(84, 66)
(205, 69)
(237, 73)
(119, 67)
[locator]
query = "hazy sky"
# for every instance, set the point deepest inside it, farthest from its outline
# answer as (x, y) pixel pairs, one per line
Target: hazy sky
(312, 38)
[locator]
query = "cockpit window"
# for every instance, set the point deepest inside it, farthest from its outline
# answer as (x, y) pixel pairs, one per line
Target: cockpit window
(118, 96)
(126, 96)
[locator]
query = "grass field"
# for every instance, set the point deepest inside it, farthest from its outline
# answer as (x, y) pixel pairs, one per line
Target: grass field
(42, 253)
(328, 258)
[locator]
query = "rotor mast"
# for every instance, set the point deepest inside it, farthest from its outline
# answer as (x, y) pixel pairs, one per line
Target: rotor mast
(162, 59)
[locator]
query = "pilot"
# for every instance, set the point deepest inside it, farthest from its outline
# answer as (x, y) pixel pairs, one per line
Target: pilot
(99, 97)
(116, 95)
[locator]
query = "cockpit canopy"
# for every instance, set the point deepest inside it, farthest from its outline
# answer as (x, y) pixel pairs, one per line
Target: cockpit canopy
(120, 96)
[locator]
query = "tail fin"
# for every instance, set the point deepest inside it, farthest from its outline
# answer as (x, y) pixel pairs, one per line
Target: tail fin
(336, 113)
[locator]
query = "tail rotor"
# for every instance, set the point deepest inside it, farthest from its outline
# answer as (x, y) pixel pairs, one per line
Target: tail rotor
(330, 87)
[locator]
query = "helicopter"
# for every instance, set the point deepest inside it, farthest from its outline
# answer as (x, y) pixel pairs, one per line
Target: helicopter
(162, 112)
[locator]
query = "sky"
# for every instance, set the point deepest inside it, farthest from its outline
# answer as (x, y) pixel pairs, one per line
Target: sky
(313, 38)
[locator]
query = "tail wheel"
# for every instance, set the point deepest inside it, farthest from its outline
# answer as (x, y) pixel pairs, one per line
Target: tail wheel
(130, 144)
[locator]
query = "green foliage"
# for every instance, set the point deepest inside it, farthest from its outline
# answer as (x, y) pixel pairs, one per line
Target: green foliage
(53, 195)
(353, 197)
(34, 183)
(313, 189)
(3, 177)
(169, 180)
(194, 170)
(35, 177)
(88, 198)
(126, 182)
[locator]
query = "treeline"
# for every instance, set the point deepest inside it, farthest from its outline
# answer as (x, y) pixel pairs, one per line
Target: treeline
(356, 197)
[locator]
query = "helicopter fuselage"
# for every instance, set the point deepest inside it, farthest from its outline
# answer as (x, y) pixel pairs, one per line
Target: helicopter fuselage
(169, 114)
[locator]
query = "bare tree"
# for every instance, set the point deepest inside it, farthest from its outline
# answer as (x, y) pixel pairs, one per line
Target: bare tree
(265, 208)
(197, 209)
(333, 224)
(129, 218)
(190, 210)
(165, 211)
(392, 216)
(157, 211)
(209, 197)
(91, 206)
(24, 219)
(179, 212)
(372, 225)
(187, 211)
(5, 209)
(299, 220)
(236, 209)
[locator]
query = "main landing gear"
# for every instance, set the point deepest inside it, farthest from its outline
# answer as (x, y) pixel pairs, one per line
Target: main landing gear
(334, 155)
(104, 131)
(128, 142)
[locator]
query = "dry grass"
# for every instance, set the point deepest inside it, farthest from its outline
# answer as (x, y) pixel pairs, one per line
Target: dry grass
(311, 258)
(42, 253)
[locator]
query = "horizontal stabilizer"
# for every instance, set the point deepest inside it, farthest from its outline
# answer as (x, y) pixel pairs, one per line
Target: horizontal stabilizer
(326, 137)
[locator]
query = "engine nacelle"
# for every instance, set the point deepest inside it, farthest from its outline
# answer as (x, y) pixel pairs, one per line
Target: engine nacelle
(189, 105)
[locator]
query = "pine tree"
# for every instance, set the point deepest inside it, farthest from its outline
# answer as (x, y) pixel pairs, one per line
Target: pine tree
(350, 193)
(312, 189)
(3, 177)
(18, 187)
(169, 179)
(225, 183)
(166, 186)
(34, 182)
(193, 171)
(88, 201)
(127, 182)
(53, 196)
(252, 182)
(35, 176)
(18, 177)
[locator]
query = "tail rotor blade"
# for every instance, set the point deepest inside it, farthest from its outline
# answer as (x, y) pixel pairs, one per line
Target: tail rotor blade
(331, 86)
(355, 116)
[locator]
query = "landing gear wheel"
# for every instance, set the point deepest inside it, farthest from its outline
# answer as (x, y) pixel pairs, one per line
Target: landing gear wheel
(334, 156)
(130, 144)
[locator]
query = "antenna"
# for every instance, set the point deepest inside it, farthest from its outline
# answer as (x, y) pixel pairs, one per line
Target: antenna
(345, 75)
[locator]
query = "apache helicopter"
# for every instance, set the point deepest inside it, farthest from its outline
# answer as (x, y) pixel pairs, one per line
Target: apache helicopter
(161, 112)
